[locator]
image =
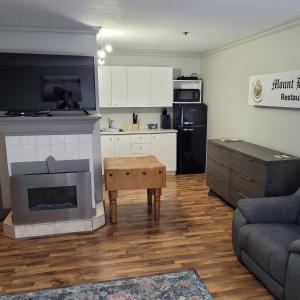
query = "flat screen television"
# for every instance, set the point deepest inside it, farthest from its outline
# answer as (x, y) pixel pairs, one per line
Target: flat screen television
(38, 82)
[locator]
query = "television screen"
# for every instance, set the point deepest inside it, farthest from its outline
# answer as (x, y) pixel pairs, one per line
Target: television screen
(38, 82)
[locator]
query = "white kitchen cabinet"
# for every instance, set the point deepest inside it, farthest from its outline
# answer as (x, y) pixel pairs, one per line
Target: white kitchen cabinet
(161, 86)
(163, 146)
(107, 146)
(138, 80)
(118, 86)
(104, 76)
(122, 145)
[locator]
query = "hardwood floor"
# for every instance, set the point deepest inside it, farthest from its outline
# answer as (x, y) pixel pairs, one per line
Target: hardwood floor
(194, 232)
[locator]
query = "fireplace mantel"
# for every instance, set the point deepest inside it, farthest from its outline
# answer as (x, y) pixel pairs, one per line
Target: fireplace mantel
(59, 124)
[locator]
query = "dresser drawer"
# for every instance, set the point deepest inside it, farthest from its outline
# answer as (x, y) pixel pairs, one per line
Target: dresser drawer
(248, 167)
(140, 149)
(219, 186)
(219, 154)
(218, 170)
(140, 139)
(245, 186)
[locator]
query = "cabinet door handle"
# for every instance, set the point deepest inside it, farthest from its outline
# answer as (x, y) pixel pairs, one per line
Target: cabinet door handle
(247, 158)
(241, 194)
(188, 123)
(244, 177)
(220, 164)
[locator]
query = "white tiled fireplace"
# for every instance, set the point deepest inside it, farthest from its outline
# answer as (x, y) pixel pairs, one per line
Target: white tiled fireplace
(64, 139)
(30, 148)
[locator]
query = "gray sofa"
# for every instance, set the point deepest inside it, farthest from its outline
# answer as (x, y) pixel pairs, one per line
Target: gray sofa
(266, 239)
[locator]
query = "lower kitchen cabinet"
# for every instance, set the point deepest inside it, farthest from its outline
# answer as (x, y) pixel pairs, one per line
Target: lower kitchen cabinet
(122, 145)
(162, 145)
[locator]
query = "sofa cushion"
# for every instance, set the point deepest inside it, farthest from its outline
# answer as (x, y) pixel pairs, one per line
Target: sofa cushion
(268, 246)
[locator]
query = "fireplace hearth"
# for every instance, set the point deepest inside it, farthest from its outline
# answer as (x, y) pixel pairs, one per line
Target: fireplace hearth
(51, 191)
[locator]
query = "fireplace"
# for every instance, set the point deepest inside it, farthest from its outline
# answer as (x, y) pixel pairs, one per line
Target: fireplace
(51, 191)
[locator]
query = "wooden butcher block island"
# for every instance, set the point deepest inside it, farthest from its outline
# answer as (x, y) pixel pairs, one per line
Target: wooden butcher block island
(126, 173)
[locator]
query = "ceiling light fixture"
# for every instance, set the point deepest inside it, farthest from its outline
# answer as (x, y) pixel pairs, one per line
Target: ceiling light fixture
(102, 51)
(108, 48)
(101, 61)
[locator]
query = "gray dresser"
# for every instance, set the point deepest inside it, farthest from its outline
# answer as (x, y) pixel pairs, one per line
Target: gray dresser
(237, 170)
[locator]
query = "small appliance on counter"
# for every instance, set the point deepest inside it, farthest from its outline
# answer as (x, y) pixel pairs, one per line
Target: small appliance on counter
(165, 119)
(152, 125)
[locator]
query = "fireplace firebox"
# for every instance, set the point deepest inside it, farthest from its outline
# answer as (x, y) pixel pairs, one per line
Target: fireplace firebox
(51, 191)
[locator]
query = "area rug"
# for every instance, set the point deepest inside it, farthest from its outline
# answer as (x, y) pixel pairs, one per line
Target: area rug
(181, 285)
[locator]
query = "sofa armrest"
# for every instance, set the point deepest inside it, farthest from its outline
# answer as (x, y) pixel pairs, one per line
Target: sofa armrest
(291, 286)
(295, 246)
(238, 222)
(271, 210)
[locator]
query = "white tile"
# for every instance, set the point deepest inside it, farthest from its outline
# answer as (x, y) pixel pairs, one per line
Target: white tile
(71, 139)
(43, 140)
(57, 139)
(85, 139)
(12, 140)
(38, 229)
(73, 226)
(85, 151)
(43, 152)
(28, 140)
(14, 153)
(72, 151)
(28, 152)
(58, 151)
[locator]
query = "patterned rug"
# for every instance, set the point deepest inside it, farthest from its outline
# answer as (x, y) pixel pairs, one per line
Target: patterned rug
(181, 285)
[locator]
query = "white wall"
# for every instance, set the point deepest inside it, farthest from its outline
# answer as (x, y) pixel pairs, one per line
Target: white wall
(226, 76)
(182, 65)
(47, 42)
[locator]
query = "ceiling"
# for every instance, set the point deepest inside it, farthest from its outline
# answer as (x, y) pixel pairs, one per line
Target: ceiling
(154, 25)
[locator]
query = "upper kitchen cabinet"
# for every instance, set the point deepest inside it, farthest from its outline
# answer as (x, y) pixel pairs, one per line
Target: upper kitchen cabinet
(121, 86)
(104, 76)
(138, 80)
(161, 86)
(118, 86)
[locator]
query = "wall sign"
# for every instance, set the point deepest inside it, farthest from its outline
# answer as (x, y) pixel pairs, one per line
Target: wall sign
(276, 90)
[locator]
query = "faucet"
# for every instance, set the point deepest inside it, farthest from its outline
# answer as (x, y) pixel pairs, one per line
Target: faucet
(110, 123)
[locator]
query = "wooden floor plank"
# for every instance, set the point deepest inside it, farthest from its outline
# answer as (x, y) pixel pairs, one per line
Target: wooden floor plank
(194, 232)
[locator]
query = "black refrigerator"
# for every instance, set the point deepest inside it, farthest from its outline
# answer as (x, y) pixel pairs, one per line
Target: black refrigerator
(191, 122)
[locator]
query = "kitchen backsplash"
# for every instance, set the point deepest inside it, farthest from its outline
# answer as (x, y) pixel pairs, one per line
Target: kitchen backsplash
(122, 116)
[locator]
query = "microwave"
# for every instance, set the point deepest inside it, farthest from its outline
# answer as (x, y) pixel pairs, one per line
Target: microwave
(186, 95)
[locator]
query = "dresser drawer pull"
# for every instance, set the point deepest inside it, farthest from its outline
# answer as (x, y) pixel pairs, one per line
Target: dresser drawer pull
(241, 194)
(247, 158)
(244, 177)
(220, 164)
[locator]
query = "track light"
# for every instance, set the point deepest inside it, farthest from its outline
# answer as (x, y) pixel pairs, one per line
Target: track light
(101, 61)
(108, 48)
(101, 53)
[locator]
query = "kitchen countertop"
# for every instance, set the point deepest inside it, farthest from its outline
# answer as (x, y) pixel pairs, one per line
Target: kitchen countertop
(140, 131)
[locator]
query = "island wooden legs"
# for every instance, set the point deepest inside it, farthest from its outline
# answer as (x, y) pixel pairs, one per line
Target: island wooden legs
(113, 195)
(149, 195)
(113, 206)
(157, 194)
